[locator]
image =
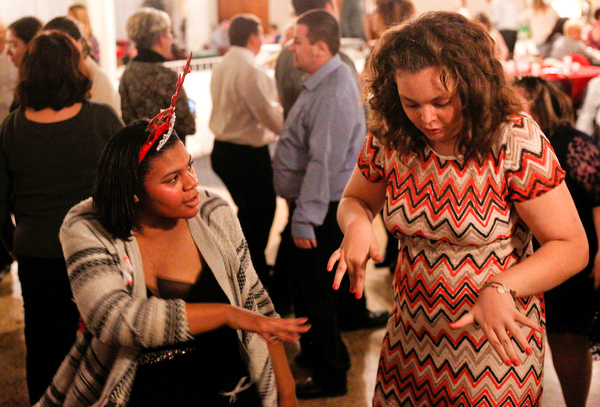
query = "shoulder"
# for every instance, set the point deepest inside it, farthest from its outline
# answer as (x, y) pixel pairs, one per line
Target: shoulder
(213, 207)
(79, 216)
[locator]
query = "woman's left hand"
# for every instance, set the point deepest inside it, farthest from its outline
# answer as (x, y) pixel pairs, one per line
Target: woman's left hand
(499, 319)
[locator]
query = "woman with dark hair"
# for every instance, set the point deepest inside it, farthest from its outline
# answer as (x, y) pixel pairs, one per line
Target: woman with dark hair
(174, 312)
(18, 36)
(570, 307)
(464, 181)
(49, 152)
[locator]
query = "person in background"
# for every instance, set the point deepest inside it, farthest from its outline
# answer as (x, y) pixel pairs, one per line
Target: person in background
(173, 312)
(556, 33)
(8, 82)
(18, 35)
(49, 152)
(464, 186)
(505, 18)
(571, 42)
(500, 48)
(352, 19)
(588, 118)
(460, 6)
(389, 13)
(79, 13)
(570, 307)
(352, 313)
(540, 17)
(313, 159)
(219, 40)
(146, 85)
(246, 118)
(102, 90)
(593, 36)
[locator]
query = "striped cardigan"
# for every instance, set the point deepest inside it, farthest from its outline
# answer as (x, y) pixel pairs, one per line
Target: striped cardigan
(108, 286)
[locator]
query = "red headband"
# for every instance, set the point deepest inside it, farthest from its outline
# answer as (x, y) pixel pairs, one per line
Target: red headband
(162, 123)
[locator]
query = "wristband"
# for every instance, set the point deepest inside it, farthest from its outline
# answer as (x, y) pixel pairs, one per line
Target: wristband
(501, 288)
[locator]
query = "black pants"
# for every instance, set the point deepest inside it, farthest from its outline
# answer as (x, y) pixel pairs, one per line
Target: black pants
(510, 38)
(51, 319)
(247, 173)
(315, 298)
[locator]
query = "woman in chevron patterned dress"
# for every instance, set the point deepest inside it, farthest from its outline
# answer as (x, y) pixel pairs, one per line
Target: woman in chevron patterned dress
(464, 181)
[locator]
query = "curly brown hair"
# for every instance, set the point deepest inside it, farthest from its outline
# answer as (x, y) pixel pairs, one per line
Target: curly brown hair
(465, 54)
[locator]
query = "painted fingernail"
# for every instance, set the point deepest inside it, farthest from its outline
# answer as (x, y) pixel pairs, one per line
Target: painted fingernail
(541, 329)
(336, 286)
(508, 362)
(516, 362)
(528, 351)
(352, 290)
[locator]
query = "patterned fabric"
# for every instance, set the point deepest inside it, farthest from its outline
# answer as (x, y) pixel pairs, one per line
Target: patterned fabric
(457, 227)
(120, 320)
(146, 89)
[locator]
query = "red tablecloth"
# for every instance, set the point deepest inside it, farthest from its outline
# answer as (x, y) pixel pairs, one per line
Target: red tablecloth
(578, 79)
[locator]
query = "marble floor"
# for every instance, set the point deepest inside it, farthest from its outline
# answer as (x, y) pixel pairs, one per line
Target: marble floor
(364, 345)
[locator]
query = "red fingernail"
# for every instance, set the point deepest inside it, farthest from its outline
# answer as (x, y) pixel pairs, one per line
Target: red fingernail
(528, 351)
(541, 329)
(508, 362)
(516, 362)
(336, 286)
(352, 290)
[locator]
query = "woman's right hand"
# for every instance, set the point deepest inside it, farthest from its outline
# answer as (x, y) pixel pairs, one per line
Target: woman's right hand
(357, 248)
(271, 329)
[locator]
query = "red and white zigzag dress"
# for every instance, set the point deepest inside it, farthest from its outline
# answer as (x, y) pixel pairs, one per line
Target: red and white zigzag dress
(457, 227)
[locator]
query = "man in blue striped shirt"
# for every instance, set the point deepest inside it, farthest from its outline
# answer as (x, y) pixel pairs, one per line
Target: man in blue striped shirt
(317, 151)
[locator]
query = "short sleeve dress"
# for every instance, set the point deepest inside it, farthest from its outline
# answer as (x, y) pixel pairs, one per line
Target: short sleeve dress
(457, 227)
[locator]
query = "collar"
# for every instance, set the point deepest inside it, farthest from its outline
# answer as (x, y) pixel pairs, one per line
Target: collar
(147, 55)
(315, 79)
(242, 52)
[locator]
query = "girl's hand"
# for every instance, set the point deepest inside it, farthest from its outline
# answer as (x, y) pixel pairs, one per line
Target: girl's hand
(499, 319)
(359, 245)
(271, 329)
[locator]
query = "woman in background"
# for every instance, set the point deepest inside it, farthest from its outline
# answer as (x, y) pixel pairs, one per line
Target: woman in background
(79, 13)
(146, 85)
(49, 152)
(570, 307)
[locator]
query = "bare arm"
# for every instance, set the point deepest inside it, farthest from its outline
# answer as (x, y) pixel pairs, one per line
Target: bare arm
(596, 270)
(554, 221)
(286, 387)
(206, 317)
(362, 200)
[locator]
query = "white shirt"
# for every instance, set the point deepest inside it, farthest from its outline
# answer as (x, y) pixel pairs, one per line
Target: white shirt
(540, 22)
(8, 82)
(589, 114)
(245, 103)
(504, 15)
(103, 91)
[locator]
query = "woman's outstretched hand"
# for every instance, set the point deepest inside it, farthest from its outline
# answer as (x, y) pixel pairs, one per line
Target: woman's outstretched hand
(271, 329)
(499, 319)
(357, 248)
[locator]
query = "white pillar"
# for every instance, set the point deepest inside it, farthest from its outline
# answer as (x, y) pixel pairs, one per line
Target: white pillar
(102, 19)
(202, 16)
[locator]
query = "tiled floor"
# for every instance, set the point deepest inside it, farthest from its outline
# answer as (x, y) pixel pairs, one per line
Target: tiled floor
(364, 345)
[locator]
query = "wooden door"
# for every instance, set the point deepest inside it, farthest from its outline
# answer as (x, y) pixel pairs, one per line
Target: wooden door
(260, 8)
